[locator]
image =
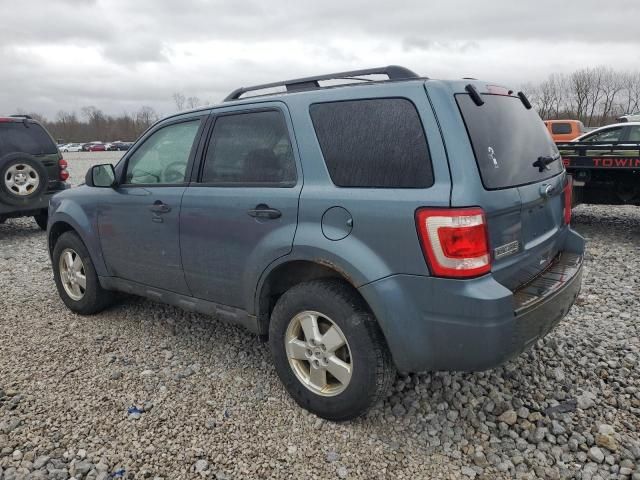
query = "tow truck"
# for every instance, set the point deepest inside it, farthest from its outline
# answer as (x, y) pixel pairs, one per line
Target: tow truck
(605, 164)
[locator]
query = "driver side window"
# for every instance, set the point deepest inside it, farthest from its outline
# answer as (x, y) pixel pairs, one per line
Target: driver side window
(163, 157)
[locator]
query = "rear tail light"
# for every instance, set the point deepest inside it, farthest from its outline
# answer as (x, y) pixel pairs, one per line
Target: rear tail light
(63, 174)
(454, 241)
(568, 194)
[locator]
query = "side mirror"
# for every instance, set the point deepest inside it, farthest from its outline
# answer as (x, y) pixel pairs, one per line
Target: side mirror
(103, 176)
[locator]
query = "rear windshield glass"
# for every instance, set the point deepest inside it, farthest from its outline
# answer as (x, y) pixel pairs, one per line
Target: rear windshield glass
(561, 128)
(507, 140)
(25, 138)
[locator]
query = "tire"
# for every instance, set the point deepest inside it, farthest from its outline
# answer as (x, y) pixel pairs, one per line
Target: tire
(41, 219)
(22, 179)
(365, 351)
(94, 298)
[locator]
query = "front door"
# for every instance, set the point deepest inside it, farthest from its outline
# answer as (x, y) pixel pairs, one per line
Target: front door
(242, 213)
(139, 223)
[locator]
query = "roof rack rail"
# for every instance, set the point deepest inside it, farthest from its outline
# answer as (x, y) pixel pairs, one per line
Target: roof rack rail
(28, 117)
(394, 72)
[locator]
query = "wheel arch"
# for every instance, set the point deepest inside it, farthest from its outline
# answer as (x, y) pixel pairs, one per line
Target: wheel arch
(289, 273)
(63, 222)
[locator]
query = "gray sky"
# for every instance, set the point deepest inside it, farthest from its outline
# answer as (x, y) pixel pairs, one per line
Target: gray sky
(120, 54)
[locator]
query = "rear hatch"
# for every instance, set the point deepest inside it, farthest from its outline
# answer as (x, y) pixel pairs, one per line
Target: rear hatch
(523, 177)
(27, 136)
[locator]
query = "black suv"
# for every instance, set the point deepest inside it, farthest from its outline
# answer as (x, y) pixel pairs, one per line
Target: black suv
(31, 169)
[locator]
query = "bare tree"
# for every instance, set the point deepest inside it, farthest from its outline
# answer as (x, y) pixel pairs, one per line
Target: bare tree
(179, 100)
(612, 84)
(145, 117)
(630, 94)
(193, 102)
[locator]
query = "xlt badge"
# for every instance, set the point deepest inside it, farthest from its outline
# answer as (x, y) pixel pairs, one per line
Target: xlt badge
(506, 249)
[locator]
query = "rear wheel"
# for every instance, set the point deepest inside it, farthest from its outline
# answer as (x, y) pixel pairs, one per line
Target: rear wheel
(76, 278)
(41, 219)
(328, 350)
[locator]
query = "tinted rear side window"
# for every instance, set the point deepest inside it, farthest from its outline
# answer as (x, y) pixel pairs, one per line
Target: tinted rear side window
(507, 139)
(378, 143)
(250, 149)
(561, 128)
(25, 138)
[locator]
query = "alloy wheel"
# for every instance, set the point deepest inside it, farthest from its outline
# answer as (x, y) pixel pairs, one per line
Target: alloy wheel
(72, 274)
(318, 353)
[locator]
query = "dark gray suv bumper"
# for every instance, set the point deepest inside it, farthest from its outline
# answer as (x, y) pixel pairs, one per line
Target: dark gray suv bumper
(444, 324)
(32, 207)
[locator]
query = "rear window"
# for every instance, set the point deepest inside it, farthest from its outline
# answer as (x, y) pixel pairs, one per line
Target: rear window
(374, 143)
(507, 139)
(561, 128)
(25, 137)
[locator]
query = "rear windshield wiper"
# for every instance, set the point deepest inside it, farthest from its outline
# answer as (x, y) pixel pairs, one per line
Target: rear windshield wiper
(543, 162)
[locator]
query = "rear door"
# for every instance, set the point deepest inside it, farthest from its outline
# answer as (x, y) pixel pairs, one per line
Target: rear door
(522, 184)
(241, 213)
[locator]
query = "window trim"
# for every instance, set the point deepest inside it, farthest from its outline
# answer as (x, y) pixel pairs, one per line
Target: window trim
(190, 161)
(207, 142)
(392, 97)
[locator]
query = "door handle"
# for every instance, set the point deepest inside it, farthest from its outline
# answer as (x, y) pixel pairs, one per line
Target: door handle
(264, 211)
(160, 207)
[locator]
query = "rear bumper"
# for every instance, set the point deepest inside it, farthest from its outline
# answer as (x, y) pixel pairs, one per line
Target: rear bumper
(32, 207)
(444, 324)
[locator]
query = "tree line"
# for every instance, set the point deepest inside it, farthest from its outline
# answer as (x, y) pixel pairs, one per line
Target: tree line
(597, 96)
(94, 125)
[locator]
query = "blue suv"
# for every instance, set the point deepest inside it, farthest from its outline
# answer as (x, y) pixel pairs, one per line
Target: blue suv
(367, 222)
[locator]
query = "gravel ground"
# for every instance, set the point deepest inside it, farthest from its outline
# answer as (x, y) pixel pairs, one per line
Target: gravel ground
(208, 403)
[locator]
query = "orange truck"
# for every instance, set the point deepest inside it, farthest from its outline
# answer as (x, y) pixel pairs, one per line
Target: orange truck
(564, 130)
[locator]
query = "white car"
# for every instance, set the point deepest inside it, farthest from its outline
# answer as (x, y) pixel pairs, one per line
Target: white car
(618, 132)
(629, 117)
(71, 147)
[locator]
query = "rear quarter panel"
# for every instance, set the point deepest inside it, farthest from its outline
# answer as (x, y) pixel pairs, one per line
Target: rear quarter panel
(383, 240)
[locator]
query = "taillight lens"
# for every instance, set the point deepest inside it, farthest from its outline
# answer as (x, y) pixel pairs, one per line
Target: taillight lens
(63, 174)
(454, 241)
(568, 194)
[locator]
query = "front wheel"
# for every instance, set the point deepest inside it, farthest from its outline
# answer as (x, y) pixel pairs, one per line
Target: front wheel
(329, 351)
(76, 278)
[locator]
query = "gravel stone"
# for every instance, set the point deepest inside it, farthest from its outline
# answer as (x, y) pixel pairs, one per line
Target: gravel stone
(509, 417)
(552, 412)
(586, 400)
(596, 455)
(606, 441)
(333, 456)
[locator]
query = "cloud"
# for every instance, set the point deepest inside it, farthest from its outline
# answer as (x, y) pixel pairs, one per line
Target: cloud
(119, 54)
